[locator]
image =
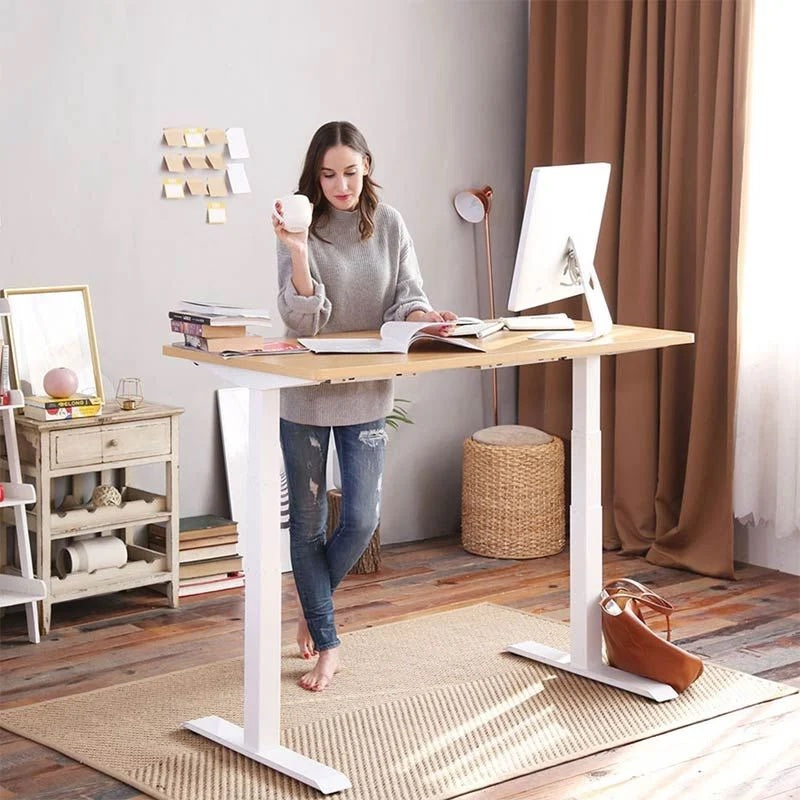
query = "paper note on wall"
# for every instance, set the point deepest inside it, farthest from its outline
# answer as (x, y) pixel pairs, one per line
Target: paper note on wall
(217, 187)
(197, 186)
(237, 178)
(215, 135)
(195, 137)
(216, 160)
(173, 188)
(216, 214)
(173, 137)
(237, 143)
(174, 162)
(197, 160)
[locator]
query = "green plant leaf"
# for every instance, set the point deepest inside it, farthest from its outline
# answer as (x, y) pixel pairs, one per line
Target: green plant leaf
(399, 414)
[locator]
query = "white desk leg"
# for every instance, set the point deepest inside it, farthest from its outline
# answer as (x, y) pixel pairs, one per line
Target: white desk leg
(260, 737)
(586, 549)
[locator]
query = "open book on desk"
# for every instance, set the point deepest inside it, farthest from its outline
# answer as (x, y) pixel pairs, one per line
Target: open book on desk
(395, 337)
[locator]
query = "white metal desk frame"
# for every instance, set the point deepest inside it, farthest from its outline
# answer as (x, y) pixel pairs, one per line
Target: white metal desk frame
(259, 739)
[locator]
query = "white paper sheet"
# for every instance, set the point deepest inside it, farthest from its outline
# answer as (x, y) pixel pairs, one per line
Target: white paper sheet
(237, 178)
(237, 143)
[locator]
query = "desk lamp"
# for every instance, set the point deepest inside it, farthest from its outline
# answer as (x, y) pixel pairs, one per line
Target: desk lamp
(474, 205)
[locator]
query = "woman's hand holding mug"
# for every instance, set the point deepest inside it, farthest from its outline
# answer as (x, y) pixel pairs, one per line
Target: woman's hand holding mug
(291, 216)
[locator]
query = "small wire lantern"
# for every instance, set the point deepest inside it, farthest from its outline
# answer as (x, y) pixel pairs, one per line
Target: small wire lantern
(129, 394)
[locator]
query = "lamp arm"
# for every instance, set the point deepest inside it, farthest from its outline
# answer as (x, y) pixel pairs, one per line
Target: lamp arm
(490, 274)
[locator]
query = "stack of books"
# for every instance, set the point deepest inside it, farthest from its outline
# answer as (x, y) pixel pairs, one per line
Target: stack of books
(44, 408)
(208, 553)
(215, 328)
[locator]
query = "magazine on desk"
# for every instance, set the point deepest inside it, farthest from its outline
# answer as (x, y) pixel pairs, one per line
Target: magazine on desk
(219, 315)
(395, 337)
(269, 347)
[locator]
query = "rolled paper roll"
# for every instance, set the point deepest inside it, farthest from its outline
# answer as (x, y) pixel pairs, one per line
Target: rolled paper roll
(88, 555)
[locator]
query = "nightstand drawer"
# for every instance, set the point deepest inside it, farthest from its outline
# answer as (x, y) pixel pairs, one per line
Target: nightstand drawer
(75, 448)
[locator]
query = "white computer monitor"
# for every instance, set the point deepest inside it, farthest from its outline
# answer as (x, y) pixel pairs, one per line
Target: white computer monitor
(555, 256)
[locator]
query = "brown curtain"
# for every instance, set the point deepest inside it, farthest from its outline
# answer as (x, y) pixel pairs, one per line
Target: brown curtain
(657, 89)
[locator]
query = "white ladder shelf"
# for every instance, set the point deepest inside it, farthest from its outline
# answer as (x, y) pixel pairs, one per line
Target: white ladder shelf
(24, 588)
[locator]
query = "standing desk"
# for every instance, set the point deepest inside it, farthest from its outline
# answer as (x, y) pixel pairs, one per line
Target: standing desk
(259, 738)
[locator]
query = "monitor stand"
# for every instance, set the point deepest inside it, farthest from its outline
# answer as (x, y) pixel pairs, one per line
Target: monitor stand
(599, 314)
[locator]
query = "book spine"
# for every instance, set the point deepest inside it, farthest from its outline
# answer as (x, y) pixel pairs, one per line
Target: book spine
(65, 412)
(184, 316)
(5, 383)
(75, 402)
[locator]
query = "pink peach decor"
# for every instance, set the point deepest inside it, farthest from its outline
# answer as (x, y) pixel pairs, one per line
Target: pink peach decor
(60, 382)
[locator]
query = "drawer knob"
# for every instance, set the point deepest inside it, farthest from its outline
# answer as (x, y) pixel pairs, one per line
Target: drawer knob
(112, 443)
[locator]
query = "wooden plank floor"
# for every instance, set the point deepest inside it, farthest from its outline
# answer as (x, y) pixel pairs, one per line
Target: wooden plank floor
(751, 624)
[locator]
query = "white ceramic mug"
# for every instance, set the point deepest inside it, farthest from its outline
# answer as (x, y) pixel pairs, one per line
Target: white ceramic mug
(296, 212)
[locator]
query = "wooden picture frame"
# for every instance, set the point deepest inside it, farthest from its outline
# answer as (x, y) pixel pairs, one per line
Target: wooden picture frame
(53, 327)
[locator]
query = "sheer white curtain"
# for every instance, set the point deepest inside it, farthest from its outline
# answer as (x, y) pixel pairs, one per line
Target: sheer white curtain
(766, 486)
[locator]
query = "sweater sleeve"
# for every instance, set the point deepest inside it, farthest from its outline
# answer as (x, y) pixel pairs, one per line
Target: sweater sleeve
(306, 316)
(409, 295)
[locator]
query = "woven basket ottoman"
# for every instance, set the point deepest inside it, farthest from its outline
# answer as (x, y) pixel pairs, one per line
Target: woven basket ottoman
(512, 496)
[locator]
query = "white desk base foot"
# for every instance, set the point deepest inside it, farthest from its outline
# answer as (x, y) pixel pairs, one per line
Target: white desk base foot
(325, 779)
(601, 672)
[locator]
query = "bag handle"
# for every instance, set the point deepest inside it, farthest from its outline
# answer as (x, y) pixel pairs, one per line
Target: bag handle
(629, 589)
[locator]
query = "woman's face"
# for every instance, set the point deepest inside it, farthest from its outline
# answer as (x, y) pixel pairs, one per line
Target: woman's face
(342, 177)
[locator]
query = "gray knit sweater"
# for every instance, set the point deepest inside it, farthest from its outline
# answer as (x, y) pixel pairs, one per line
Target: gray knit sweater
(358, 285)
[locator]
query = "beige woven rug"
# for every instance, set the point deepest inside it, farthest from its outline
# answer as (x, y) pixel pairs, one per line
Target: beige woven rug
(425, 709)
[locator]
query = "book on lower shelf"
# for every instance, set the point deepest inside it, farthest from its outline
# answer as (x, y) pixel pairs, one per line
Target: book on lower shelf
(158, 542)
(209, 567)
(211, 551)
(200, 538)
(197, 527)
(214, 584)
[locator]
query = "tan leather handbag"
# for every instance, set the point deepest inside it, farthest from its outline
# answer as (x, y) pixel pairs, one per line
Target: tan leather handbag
(632, 646)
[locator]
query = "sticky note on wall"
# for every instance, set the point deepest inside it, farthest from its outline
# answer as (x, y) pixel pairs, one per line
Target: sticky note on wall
(215, 135)
(173, 136)
(195, 137)
(216, 214)
(216, 160)
(174, 162)
(173, 188)
(197, 160)
(197, 186)
(217, 187)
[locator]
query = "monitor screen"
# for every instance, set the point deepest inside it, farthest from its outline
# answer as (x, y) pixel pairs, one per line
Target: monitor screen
(564, 203)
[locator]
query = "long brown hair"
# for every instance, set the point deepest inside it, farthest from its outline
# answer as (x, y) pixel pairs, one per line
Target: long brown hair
(332, 134)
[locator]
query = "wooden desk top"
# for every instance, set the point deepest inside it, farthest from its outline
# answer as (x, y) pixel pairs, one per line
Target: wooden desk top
(509, 349)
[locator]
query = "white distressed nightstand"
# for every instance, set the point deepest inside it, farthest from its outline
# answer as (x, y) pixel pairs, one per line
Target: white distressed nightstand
(108, 445)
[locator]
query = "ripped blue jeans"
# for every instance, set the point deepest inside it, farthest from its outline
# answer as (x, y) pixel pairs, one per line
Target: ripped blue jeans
(320, 565)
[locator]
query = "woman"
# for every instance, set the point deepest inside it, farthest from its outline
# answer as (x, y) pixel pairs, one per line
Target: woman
(352, 270)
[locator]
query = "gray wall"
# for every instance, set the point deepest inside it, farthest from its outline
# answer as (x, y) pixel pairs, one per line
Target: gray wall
(438, 88)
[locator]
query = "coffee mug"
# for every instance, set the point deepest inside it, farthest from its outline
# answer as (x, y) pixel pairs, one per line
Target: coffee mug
(296, 210)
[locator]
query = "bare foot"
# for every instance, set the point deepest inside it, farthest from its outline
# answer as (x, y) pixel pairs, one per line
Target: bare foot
(304, 640)
(321, 676)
